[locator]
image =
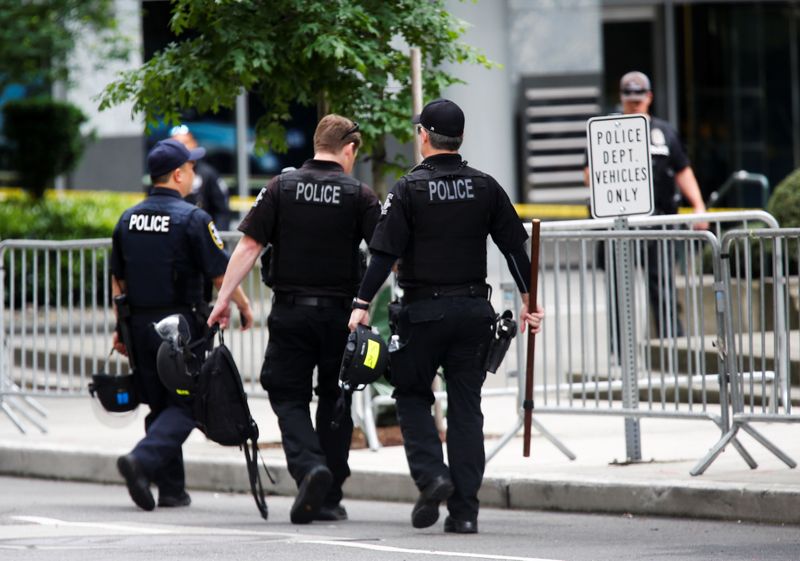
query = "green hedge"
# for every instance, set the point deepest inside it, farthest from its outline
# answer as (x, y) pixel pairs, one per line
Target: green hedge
(83, 216)
(784, 204)
(71, 216)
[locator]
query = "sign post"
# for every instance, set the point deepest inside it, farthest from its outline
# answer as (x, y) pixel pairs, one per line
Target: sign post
(621, 180)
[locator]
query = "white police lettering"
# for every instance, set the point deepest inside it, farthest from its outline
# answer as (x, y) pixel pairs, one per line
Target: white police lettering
(156, 223)
(387, 204)
(316, 193)
(444, 190)
(658, 143)
(260, 196)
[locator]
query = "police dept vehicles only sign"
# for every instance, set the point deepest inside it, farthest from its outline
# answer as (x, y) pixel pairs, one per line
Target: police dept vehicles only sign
(620, 170)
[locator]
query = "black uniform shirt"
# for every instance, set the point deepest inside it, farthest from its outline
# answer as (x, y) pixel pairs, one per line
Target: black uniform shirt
(395, 230)
(210, 192)
(263, 224)
(669, 158)
(162, 248)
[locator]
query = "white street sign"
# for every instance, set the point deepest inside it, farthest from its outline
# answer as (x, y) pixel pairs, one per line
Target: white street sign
(620, 169)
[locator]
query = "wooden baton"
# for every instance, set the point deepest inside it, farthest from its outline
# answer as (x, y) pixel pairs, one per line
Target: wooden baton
(527, 404)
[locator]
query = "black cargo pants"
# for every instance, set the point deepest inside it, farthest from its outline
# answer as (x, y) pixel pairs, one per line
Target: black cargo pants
(451, 332)
(301, 338)
(170, 420)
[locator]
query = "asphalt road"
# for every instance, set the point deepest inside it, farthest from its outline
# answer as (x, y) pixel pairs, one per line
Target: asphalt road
(48, 520)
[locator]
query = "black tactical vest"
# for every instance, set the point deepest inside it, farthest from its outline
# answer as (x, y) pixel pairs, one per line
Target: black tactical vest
(317, 239)
(159, 270)
(450, 213)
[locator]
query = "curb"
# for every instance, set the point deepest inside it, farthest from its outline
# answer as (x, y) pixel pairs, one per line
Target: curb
(775, 504)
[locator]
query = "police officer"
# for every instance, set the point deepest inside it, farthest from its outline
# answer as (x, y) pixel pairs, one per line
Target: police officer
(162, 249)
(671, 169)
(315, 218)
(209, 190)
(435, 221)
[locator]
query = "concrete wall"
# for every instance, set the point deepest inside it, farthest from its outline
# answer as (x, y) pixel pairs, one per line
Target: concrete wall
(529, 38)
(487, 97)
(555, 37)
(115, 160)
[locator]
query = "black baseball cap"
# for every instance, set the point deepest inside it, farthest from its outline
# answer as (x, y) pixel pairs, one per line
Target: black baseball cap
(170, 154)
(634, 86)
(441, 116)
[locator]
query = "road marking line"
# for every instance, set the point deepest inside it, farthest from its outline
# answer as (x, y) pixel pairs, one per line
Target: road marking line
(116, 526)
(392, 549)
(288, 538)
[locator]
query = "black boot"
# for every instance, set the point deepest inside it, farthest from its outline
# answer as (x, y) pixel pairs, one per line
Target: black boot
(426, 510)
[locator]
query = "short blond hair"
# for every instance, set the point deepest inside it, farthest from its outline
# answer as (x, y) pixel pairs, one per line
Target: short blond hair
(334, 132)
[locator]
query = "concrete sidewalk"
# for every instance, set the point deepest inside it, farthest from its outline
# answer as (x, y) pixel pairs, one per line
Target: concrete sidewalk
(78, 447)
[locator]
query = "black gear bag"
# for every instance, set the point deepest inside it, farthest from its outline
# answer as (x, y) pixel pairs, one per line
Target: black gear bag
(221, 412)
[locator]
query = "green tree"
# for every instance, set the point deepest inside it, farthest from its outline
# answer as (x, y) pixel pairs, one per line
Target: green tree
(344, 56)
(45, 140)
(37, 36)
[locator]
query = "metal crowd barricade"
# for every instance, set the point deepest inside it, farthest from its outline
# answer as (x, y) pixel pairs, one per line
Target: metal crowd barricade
(763, 290)
(55, 322)
(248, 346)
(665, 355)
(676, 369)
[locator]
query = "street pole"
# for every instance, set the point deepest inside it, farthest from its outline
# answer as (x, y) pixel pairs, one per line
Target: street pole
(242, 164)
(416, 94)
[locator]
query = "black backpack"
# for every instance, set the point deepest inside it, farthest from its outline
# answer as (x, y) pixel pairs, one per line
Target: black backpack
(221, 412)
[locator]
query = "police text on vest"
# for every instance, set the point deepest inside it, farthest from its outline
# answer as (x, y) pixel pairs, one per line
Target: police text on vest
(444, 190)
(316, 193)
(157, 223)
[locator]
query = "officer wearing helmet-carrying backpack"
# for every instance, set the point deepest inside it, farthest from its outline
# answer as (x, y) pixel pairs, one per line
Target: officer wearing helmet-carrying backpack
(434, 223)
(314, 218)
(162, 249)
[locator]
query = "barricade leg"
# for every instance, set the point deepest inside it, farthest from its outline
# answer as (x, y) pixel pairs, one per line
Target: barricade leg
(512, 432)
(21, 410)
(715, 451)
(505, 439)
(33, 404)
(11, 415)
(12, 405)
(555, 441)
(749, 460)
(368, 418)
(766, 443)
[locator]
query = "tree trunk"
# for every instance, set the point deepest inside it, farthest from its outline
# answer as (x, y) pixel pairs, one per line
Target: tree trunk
(323, 105)
(378, 156)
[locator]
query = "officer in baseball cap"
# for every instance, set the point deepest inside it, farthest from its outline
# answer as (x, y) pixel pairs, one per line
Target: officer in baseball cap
(435, 222)
(162, 248)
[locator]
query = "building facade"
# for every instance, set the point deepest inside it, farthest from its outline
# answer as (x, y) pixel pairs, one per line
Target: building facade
(726, 74)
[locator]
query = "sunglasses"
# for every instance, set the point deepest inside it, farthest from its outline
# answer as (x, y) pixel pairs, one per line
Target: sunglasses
(352, 130)
(634, 92)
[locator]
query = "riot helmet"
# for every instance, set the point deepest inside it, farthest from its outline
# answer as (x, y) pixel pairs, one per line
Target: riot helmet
(116, 394)
(177, 366)
(365, 359)
(117, 400)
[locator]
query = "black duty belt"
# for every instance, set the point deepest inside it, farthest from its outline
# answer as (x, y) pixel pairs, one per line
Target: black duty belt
(315, 301)
(166, 310)
(428, 292)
